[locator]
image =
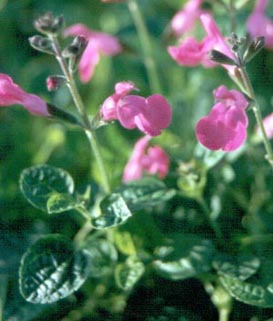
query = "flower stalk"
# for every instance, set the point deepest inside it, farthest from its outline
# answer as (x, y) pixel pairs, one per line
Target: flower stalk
(145, 45)
(89, 131)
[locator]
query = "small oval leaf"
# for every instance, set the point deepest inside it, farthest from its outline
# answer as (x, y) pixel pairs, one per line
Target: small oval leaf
(39, 183)
(51, 270)
(128, 273)
(114, 212)
(58, 203)
(185, 257)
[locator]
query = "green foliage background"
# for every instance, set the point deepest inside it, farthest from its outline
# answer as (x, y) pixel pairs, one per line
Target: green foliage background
(244, 183)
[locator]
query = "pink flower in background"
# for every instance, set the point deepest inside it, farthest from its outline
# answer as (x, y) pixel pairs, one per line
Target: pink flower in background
(152, 160)
(258, 24)
(12, 94)
(268, 126)
(225, 126)
(99, 43)
(190, 52)
(184, 19)
(150, 115)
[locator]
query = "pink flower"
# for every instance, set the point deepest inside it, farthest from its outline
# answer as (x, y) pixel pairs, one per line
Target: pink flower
(190, 52)
(184, 19)
(12, 94)
(258, 24)
(225, 126)
(150, 115)
(152, 160)
(99, 43)
(268, 126)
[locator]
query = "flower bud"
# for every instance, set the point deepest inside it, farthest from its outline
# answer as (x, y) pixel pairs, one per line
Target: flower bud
(76, 48)
(253, 49)
(221, 58)
(41, 44)
(47, 23)
(55, 82)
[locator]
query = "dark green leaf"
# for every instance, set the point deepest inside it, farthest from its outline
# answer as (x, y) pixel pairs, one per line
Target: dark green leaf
(103, 255)
(128, 273)
(183, 257)
(145, 192)
(40, 183)
(241, 267)
(114, 211)
(249, 293)
(51, 270)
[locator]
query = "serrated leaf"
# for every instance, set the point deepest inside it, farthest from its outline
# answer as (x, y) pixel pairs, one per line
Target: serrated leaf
(241, 267)
(51, 270)
(185, 256)
(114, 211)
(128, 273)
(39, 183)
(249, 293)
(145, 192)
(58, 203)
(103, 255)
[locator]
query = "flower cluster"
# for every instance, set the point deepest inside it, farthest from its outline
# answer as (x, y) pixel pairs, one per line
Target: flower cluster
(99, 43)
(152, 160)
(12, 94)
(258, 24)
(191, 52)
(150, 115)
(225, 126)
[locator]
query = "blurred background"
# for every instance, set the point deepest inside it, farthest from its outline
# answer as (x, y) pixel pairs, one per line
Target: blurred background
(26, 140)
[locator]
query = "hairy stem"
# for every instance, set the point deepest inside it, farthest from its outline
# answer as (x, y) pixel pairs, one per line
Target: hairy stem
(89, 131)
(145, 45)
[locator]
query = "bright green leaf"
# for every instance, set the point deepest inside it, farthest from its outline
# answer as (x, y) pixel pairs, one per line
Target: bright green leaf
(124, 242)
(114, 211)
(128, 273)
(39, 183)
(58, 203)
(185, 256)
(51, 270)
(145, 192)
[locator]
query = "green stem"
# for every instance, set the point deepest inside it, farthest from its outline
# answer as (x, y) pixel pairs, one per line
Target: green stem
(257, 112)
(224, 314)
(89, 131)
(213, 224)
(232, 12)
(3, 293)
(145, 45)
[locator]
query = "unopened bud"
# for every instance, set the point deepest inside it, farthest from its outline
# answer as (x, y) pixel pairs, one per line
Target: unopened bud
(221, 58)
(41, 44)
(76, 48)
(49, 24)
(55, 82)
(253, 49)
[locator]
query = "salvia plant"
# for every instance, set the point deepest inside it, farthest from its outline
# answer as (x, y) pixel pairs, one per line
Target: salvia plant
(182, 230)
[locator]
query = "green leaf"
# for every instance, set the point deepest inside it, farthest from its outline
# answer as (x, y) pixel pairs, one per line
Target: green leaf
(249, 293)
(184, 256)
(51, 270)
(39, 183)
(124, 242)
(114, 212)
(103, 255)
(241, 267)
(128, 273)
(58, 203)
(145, 192)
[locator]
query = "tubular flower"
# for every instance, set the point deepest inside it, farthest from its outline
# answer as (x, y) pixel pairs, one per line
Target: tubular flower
(99, 43)
(190, 52)
(150, 115)
(152, 160)
(225, 126)
(12, 94)
(185, 19)
(258, 24)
